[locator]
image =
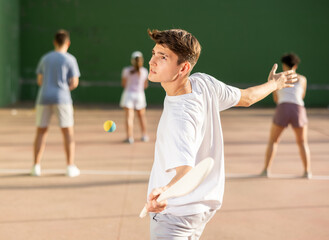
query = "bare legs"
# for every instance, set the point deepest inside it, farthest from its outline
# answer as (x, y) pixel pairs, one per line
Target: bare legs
(301, 140)
(69, 144)
(40, 143)
(130, 122)
(304, 151)
(272, 145)
(142, 120)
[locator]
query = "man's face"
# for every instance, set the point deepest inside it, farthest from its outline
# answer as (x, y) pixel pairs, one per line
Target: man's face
(163, 65)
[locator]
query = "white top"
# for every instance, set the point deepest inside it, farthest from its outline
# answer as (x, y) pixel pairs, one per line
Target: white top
(189, 131)
(135, 82)
(294, 94)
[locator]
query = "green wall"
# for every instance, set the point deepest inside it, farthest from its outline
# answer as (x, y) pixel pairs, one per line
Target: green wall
(241, 40)
(9, 52)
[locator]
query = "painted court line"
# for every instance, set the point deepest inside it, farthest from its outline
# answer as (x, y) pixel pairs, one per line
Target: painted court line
(147, 173)
(273, 176)
(84, 172)
(100, 172)
(287, 176)
(320, 177)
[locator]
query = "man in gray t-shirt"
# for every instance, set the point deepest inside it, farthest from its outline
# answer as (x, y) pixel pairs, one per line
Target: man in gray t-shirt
(57, 75)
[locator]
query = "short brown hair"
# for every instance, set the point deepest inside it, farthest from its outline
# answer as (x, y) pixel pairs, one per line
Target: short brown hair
(290, 59)
(61, 36)
(181, 42)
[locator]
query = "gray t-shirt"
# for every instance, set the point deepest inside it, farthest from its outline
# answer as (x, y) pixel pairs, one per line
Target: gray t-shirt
(57, 68)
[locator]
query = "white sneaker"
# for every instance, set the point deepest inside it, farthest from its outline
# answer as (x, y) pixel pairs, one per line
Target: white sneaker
(129, 140)
(307, 175)
(145, 138)
(72, 171)
(36, 170)
(264, 173)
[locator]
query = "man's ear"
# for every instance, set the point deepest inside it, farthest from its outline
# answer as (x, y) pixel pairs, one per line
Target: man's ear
(186, 68)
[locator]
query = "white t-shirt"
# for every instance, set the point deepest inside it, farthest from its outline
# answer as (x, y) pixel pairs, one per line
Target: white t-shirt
(135, 82)
(189, 131)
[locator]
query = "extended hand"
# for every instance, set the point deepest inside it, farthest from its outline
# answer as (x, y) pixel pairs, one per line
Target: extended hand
(282, 79)
(152, 205)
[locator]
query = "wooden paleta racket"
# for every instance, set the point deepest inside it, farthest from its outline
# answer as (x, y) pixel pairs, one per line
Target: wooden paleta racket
(187, 183)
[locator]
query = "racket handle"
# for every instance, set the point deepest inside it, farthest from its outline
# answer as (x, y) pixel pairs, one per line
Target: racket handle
(143, 213)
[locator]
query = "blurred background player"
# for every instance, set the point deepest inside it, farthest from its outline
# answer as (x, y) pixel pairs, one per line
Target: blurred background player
(134, 81)
(57, 74)
(290, 110)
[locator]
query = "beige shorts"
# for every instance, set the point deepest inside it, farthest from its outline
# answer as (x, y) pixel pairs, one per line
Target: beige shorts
(64, 113)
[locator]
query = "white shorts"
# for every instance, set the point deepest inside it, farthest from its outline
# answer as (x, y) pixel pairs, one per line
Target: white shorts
(64, 113)
(133, 100)
(170, 227)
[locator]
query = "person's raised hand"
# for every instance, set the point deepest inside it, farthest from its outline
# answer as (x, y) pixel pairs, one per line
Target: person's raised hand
(282, 79)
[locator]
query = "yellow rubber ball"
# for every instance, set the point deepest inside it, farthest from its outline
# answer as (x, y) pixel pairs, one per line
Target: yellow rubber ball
(109, 126)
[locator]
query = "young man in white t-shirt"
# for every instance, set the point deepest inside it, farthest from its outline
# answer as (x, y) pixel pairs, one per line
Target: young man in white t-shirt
(189, 131)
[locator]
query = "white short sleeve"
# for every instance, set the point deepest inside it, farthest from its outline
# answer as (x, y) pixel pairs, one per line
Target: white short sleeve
(228, 96)
(125, 72)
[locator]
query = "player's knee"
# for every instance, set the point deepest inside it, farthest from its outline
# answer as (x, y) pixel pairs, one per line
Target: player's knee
(42, 130)
(274, 141)
(301, 141)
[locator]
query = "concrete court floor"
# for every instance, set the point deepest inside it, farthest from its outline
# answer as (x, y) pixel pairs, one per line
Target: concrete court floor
(104, 202)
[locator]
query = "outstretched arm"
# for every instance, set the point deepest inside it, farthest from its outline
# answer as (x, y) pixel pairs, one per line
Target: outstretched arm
(275, 82)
